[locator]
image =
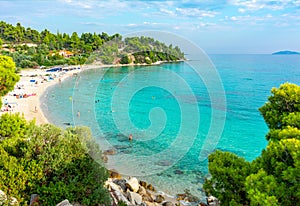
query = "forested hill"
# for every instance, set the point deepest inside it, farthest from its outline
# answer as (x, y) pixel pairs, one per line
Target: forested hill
(31, 48)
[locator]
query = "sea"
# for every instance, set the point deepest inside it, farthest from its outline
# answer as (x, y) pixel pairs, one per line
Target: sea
(177, 113)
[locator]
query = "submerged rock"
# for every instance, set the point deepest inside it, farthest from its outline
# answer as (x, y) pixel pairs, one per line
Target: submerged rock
(178, 172)
(110, 152)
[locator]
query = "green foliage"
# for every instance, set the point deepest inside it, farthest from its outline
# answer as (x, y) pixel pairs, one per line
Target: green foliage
(93, 47)
(8, 77)
(283, 106)
(261, 189)
(273, 178)
(50, 162)
(228, 175)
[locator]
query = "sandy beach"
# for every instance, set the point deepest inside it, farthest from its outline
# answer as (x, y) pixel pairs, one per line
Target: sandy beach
(34, 82)
(25, 98)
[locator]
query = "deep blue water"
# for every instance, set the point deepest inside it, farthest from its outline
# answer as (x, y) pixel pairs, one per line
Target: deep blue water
(175, 116)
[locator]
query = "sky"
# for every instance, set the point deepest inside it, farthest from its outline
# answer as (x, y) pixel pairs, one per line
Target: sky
(216, 26)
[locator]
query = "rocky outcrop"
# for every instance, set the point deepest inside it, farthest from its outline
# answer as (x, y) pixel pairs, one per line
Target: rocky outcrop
(133, 192)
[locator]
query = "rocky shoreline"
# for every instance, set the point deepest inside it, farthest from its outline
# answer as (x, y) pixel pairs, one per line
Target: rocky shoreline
(131, 191)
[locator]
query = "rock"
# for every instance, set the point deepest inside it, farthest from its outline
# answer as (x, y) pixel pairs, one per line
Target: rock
(64, 203)
(105, 158)
(142, 191)
(133, 184)
(114, 174)
(213, 201)
(150, 187)
(121, 183)
(151, 203)
(110, 152)
(159, 199)
(164, 163)
(135, 198)
(178, 172)
(34, 200)
(181, 196)
(143, 184)
(167, 204)
(202, 204)
(148, 197)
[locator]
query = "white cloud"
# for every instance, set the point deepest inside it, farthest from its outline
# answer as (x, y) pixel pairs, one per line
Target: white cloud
(254, 5)
(195, 12)
(241, 10)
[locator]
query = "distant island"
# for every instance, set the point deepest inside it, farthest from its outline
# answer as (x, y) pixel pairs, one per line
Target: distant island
(285, 53)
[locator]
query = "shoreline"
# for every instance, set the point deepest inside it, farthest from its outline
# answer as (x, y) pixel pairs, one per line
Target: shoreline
(30, 106)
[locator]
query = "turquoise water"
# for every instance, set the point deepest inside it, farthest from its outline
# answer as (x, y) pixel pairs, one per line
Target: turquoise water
(169, 110)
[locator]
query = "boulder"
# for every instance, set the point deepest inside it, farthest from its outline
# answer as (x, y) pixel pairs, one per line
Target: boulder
(168, 203)
(148, 197)
(64, 203)
(133, 184)
(114, 174)
(121, 183)
(135, 198)
(143, 184)
(159, 199)
(105, 158)
(150, 187)
(213, 201)
(34, 200)
(142, 191)
(178, 172)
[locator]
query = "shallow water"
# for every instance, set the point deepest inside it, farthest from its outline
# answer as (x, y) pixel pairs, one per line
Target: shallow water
(172, 113)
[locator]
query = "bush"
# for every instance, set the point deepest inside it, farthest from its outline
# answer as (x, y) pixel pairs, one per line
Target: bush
(50, 162)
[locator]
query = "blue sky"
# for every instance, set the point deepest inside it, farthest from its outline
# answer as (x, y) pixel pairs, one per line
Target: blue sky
(217, 26)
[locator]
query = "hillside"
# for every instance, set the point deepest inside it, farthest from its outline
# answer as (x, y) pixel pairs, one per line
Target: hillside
(31, 48)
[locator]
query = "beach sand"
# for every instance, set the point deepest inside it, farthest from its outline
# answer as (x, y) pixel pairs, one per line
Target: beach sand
(30, 106)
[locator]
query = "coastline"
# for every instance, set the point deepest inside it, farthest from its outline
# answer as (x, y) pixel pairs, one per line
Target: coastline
(30, 106)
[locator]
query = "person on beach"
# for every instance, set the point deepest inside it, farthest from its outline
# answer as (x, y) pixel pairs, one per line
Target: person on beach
(35, 109)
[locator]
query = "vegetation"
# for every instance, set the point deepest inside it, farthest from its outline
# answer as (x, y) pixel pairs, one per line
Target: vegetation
(273, 178)
(31, 48)
(8, 77)
(50, 162)
(45, 160)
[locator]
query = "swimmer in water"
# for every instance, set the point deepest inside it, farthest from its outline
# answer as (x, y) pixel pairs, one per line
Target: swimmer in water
(130, 137)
